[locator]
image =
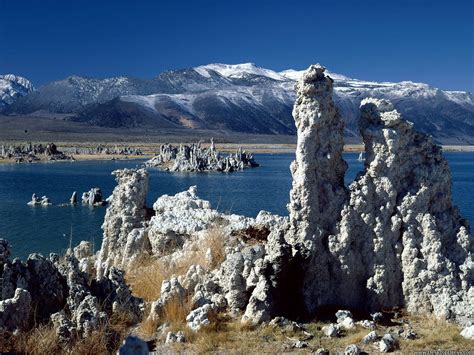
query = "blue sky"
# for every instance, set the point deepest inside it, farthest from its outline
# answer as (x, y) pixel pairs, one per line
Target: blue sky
(384, 40)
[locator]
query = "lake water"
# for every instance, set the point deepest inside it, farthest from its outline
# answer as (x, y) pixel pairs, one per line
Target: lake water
(49, 229)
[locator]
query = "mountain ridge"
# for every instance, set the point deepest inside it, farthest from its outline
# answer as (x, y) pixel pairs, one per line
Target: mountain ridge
(13, 87)
(240, 98)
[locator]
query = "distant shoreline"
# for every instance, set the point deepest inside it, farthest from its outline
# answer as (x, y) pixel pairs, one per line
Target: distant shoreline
(150, 149)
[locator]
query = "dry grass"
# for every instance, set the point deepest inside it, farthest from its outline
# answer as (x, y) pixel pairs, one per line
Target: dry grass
(215, 241)
(216, 336)
(40, 340)
(230, 336)
(146, 277)
(96, 343)
(148, 325)
(43, 339)
(175, 312)
(435, 334)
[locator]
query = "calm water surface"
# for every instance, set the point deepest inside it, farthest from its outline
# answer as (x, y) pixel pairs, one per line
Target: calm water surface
(48, 229)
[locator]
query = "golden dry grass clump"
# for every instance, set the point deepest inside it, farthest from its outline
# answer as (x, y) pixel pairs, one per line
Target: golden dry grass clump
(44, 340)
(146, 276)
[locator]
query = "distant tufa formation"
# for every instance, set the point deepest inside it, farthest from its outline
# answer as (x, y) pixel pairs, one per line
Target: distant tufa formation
(391, 240)
(33, 152)
(39, 201)
(93, 197)
(192, 158)
(105, 150)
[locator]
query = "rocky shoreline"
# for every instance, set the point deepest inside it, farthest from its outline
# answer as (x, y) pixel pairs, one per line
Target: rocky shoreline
(29, 153)
(390, 243)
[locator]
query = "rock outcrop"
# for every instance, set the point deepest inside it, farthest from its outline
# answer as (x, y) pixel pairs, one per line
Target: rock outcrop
(183, 227)
(102, 149)
(41, 289)
(173, 225)
(15, 311)
(126, 212)
(193, 158)
(393, 239)
(39, 201)
(33, 152)
(93, 197)
(318, 191)
(400, 235)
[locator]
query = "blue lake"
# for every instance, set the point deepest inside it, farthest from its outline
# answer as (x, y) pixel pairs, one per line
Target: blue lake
(49, 229)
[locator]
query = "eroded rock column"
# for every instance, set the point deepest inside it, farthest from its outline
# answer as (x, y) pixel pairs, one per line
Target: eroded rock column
(318, 191)
(126, 212)
(400, 234)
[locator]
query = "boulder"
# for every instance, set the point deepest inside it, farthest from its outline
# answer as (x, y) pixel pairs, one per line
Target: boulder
(15, 311)
(468, 332)
(40, 277)
(387, 344)
(332, 330)
(352, 349)
(177, 337)
(65, 328)
(199, 317)
(370, 338)
(367, 324)
(39, 201)
(344, 319)
(83, 250)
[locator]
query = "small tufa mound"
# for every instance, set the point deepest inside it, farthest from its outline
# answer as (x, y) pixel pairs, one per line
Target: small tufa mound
(39, 201)
(93, 197)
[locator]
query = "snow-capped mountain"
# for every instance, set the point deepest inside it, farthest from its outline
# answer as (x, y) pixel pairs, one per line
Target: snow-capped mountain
(241, 98)
(13, 87)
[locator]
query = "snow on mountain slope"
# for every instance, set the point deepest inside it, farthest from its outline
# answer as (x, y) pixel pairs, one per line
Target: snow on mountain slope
(242, 98)
(237, 71)
(12, 87)
(296, 74)
(73, 93)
